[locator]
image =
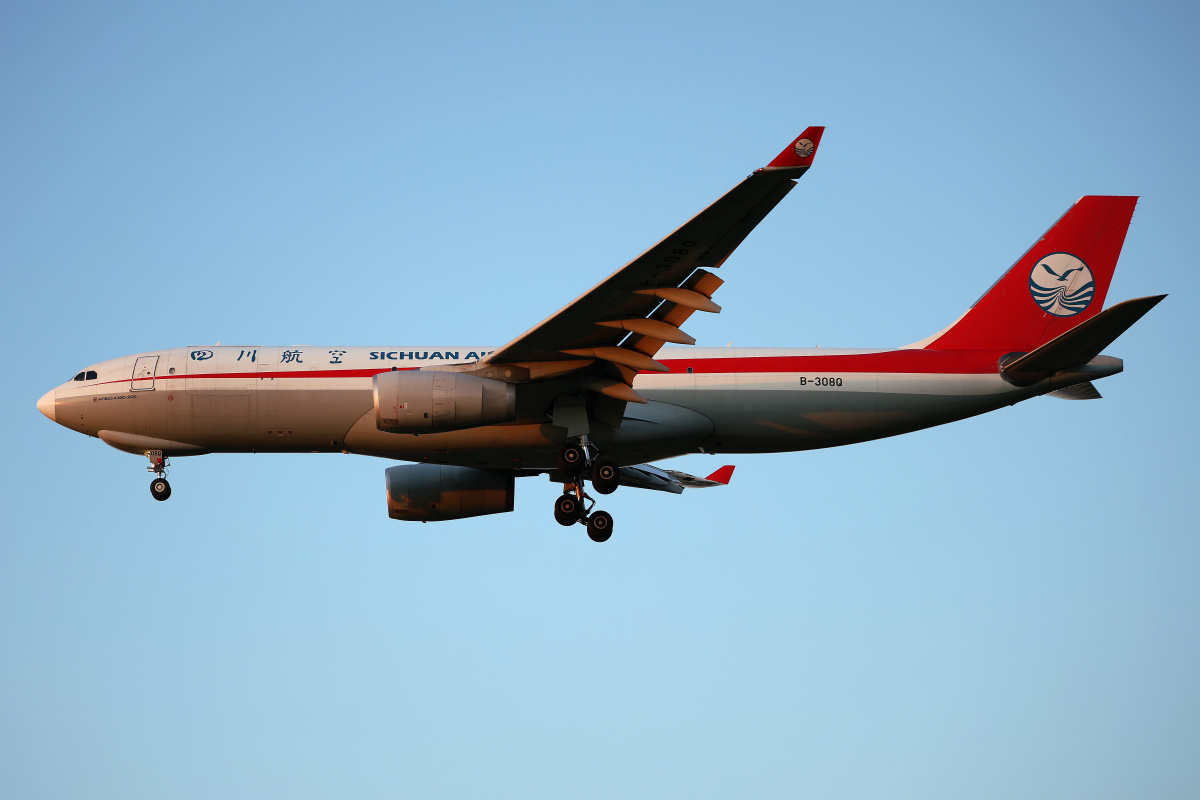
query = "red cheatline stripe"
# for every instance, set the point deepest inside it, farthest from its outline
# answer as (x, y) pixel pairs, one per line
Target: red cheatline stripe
(955, 362)
(944, 362)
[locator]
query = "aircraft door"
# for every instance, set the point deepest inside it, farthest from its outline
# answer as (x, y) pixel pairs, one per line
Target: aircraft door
(264, 390)
(143, 373)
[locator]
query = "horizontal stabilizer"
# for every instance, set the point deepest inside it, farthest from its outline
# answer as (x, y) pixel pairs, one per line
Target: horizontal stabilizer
(1080, 391)
(1080, 344)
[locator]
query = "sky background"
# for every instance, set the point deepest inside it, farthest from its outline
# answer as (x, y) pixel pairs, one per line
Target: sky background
(1007, 606)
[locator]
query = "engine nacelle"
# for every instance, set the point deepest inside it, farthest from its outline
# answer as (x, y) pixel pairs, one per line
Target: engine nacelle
(414, 401)
(433, 492)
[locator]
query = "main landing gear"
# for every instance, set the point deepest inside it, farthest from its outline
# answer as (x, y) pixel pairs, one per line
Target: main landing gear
(575, 505)
(158, 465)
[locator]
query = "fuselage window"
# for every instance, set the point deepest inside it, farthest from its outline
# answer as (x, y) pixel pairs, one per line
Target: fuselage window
(91, 375)
(78, 377)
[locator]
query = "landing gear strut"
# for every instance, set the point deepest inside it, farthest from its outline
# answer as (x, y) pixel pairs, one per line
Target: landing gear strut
(575, 505)
(158, 465)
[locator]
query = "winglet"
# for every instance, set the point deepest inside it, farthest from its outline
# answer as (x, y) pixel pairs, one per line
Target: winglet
(725, 473)
(802, 151)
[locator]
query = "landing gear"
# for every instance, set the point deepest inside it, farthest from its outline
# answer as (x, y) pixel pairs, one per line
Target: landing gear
(160, 488)
(606, 476)
(158, 465)
(599, 526)
(575, 505)
(571, 460)
(567, 510)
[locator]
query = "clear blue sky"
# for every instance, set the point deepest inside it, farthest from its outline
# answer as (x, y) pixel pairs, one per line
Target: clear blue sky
(1004, 607)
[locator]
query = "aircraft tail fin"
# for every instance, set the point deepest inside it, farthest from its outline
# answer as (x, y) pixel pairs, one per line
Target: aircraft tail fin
(1058, 284)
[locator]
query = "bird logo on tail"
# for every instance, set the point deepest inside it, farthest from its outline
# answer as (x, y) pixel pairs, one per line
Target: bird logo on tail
(1061, 284)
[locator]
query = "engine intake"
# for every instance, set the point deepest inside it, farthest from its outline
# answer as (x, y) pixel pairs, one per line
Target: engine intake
(433, 492)
(415, 401)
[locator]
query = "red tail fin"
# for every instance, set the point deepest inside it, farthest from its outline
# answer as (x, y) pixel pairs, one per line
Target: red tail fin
(1060, 282)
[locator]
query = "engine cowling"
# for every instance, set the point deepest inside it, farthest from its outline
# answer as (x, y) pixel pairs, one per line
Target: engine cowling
(415, 401)
(434, 492)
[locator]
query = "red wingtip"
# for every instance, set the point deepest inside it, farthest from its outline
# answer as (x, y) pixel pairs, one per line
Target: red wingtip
(722, 475)
(802, 150)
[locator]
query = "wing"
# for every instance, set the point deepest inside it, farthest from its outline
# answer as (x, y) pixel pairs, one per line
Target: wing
(604, 337)
(647, 476)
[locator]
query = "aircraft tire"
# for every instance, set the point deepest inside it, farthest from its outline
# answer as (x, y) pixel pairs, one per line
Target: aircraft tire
(566, 510)
(570, 460)
(600, 525)
(160, 489)
(606, 477)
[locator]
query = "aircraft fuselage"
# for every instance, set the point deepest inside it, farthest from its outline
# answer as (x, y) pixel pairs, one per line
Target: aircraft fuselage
(195, 400)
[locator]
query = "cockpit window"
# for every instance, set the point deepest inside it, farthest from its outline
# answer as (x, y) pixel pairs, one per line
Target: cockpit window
(78, 377)
(91, 375)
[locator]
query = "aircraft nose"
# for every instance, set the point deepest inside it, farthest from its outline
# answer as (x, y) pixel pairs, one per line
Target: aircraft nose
(46, 405)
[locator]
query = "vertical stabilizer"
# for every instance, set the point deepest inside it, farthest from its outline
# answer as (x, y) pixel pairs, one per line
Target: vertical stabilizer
(1060, 282)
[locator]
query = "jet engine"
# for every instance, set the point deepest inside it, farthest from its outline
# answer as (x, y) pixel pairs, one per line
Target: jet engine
(414, 401)
(434, 492)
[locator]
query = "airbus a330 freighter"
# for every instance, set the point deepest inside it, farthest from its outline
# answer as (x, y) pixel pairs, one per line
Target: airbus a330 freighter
(591, 394)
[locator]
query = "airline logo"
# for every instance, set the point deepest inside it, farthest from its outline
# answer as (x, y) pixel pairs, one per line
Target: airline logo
(804, 148)
(1061, 284)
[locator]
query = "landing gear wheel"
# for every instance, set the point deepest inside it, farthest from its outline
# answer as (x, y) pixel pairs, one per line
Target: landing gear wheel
(571, 459)
(600, 526)
(606, 476)
(566, 510)
(160, 488)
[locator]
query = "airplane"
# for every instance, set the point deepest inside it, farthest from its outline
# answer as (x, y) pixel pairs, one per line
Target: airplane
(592, 395)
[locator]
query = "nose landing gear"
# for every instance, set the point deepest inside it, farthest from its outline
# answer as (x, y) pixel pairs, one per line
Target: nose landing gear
(575, 505)
(159, 487)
